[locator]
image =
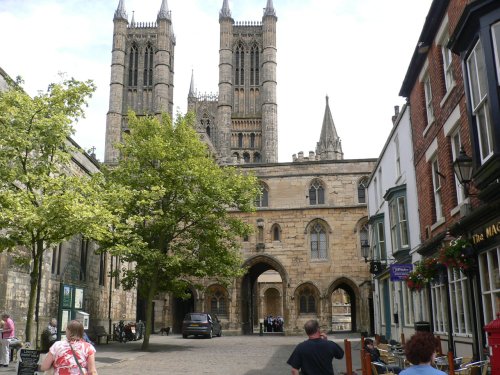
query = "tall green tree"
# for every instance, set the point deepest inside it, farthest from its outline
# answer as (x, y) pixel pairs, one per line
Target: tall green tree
(176, 208)
(41, 202)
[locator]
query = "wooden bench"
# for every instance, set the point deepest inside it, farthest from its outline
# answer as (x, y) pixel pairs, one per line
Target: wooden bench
(99, 332)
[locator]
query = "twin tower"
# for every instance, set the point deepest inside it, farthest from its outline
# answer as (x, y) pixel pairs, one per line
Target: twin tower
(240, 124)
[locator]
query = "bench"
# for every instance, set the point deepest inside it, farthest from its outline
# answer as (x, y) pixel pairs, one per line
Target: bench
(97, 333)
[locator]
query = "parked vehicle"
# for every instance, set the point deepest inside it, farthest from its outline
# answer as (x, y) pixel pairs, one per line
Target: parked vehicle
(201, 324)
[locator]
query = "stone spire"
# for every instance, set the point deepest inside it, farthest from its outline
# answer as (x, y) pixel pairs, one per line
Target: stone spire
(192, 92)
(120, 11)
(132, 21)
(269, 9)
(225, 12)
(329, 146)
(164, 13)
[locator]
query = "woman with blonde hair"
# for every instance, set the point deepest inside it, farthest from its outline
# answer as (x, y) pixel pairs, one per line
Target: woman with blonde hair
(72, 356)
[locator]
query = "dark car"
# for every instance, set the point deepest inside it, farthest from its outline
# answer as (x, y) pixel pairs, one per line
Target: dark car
(201, 324)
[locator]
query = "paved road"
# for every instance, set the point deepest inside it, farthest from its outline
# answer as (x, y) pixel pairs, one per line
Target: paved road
(227, 355)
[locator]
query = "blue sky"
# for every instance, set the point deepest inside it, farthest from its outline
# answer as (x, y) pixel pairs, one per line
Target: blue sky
(356, 51)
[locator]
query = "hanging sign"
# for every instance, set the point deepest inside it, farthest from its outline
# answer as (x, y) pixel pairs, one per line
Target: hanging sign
(399, 272)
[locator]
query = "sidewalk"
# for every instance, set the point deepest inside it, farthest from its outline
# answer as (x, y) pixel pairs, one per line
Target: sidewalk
(113, 353)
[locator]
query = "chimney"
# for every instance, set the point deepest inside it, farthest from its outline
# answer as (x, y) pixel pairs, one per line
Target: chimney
(396, 114)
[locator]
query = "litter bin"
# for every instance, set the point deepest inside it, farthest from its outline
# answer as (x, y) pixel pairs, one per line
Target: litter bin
(422, 327)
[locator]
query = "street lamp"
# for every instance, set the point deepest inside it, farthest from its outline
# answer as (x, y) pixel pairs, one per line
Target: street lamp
(463, 169)
(365, 250)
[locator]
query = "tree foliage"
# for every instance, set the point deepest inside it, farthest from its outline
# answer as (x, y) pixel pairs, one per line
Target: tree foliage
(42, 202)
(174, 202)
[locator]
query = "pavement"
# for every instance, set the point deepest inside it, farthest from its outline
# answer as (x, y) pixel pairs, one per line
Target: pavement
(228, 355)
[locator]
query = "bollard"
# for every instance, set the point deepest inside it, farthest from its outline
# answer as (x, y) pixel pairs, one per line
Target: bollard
(362, 352)
(451, 364)
(403, 339)
(348, 356)
(368, 363)
(261, 330)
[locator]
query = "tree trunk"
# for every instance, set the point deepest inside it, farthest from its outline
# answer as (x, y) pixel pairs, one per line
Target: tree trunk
(149, 311)
(34, 275)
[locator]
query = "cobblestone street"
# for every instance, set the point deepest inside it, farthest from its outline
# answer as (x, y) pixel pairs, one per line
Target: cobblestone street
(227, 355)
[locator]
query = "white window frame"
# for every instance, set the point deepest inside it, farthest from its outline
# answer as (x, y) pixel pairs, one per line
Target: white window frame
(476, 73)
(461, 323)
(408, 306)
(489, 271)
(381, 243)
(449, 80)
(436, 187)
(495, 34)
(439, 306)
(428, 99)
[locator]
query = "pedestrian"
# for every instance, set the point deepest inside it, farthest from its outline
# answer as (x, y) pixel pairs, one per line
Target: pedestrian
(52, 329)
(8, 333)
(72, 356)
(382, 367)
(420, 350)
(315, 355)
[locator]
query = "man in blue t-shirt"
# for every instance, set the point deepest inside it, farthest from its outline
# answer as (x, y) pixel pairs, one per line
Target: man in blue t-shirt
(314, 356)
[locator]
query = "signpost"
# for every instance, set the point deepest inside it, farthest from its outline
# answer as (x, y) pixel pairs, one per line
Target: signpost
(28, 362)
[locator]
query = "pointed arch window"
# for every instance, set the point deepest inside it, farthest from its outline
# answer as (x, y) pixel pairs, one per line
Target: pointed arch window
(363, 183)
(307, 304)
(240, 140)
(262, 199)
(133, 66)
(252, 140)
(316, 193)
(319, 241)
(254, 66)
(208, 131)
(246, 157)
(239, 76)
(218, 301)
(148, 66)
(276, 232)
(256, 157)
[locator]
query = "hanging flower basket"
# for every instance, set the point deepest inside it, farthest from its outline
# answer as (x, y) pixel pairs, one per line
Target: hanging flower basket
(424, 272)
(459, 254)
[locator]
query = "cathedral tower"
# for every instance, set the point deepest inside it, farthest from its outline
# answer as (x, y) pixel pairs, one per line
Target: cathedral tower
(245, 126)
(142, 72)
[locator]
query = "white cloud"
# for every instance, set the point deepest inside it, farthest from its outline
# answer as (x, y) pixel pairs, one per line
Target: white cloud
(356, 51)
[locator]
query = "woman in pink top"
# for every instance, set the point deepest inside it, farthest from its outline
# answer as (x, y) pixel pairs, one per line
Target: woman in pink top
(72, 356)
(7, 336)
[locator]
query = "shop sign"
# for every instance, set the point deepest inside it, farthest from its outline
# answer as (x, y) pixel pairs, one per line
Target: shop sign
(399, 272)
(487, 233)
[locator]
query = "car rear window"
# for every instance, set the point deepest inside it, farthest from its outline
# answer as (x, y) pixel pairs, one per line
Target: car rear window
(197, 317)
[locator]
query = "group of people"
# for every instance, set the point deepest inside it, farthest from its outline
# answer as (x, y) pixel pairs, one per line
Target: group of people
(274, 324)
(71, 356)
(315, 355)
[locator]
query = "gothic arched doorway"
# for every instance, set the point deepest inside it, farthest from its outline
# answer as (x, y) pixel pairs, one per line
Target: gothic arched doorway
(180, 308)
(343, 306)
(254, 285)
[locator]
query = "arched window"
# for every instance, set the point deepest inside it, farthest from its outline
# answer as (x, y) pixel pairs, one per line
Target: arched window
(240, 140)
(256, 157)
(316, 193)
(246, 157)
(307, 302)
(276, 232)
(262, 199)
(363, 235)
(133, 66)
(363, 183)
(239, 76)
(236, 155)
(254, 66)
(218, 301)
(208, 131)
(148, 66)
(318, 241)
(252, 140)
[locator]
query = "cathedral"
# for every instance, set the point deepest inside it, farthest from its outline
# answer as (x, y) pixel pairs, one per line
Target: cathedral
(304, 256)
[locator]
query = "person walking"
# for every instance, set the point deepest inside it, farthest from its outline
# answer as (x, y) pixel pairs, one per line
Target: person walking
(73, 356)
(8, 333)
(52, 329)
(315, 355)
(420, 350)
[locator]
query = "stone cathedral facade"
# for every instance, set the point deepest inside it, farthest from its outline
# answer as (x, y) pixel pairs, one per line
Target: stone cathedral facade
(304, 257)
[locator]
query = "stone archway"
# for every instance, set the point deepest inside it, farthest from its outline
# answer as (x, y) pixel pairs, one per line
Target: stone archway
(180, 308)
(248, 311)
(344, 305)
